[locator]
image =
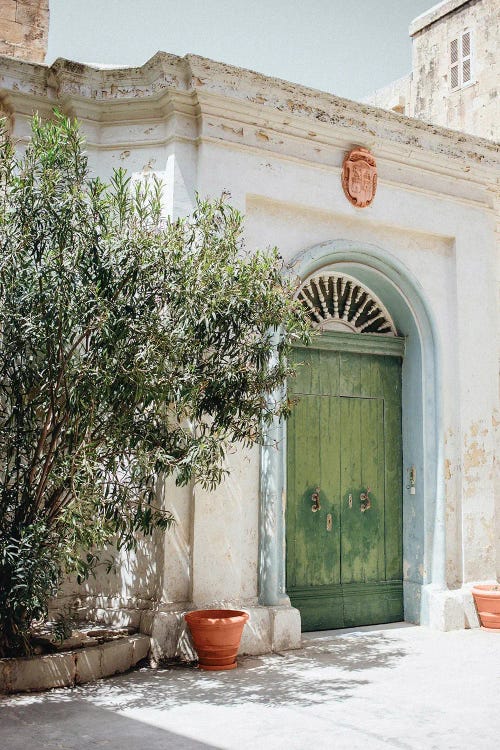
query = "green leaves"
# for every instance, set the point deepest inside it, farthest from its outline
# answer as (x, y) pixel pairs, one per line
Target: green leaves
(131, 347)
(29, 575)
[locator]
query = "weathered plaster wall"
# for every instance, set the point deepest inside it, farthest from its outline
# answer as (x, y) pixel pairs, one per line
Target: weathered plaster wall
(278, 149)
(158, 574)
(475, 108)
(24, 29)
(395, 96)
(426, 93)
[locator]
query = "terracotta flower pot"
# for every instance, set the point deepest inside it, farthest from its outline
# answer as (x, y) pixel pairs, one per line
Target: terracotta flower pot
(216, 636)
(487, 601)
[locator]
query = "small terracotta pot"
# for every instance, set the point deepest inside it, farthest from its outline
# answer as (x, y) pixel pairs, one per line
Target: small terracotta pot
(487, 601)
(216, 636)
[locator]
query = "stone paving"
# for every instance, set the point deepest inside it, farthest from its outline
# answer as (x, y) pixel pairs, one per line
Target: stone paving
(370, 688)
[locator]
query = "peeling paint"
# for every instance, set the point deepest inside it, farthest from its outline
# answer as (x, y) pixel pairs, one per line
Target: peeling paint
(228, 129)
(447, 469)
(475, 456)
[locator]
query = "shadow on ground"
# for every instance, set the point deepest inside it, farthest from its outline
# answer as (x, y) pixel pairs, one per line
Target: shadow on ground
(70, 723)
(318, 673)
(323, 670)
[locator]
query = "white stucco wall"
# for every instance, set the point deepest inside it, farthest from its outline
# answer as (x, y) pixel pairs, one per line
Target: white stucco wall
(278, 149)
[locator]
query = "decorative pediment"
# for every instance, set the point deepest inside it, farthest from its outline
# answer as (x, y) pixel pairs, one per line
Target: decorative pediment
(338, 302)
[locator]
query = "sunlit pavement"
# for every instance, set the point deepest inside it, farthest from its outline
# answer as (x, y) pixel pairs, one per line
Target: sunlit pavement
(381, 687)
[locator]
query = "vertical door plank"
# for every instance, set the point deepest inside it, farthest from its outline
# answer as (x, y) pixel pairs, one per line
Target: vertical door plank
(350, 463)
(394, 492)
(330, 486)
(305, 466)
(371, 522)
(330, 373)
(391, 380)
(390, 373)
(375, 387)
(350, 374)
(291, 496)
(315, 375)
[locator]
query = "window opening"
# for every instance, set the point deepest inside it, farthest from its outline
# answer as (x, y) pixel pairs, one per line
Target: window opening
(461, 61)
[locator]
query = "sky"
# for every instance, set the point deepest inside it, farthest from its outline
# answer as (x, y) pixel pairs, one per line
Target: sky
(346, 47)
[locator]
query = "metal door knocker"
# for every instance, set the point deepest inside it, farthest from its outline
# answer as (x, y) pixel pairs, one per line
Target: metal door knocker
(315, 500)
(365, 500)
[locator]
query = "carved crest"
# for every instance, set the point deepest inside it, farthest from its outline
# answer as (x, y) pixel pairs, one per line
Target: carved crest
(359, 177)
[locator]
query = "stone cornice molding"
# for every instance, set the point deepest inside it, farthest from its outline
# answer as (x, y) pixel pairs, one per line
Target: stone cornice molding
(435, 14)
(240, 106)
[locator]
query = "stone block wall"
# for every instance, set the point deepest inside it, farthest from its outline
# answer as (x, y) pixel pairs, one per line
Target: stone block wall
(24, 29)
(427, 94)
(473, 108)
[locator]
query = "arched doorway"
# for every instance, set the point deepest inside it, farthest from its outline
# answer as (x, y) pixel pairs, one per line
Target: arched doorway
(424, 511)
(344, 559)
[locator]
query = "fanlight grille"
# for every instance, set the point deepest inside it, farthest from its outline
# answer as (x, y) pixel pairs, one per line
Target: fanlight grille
(340, 302)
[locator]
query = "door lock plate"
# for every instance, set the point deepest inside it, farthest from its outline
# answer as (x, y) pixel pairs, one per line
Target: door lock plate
(329, 522)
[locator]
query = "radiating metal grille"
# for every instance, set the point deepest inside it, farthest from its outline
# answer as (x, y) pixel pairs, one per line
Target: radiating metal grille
(340, 302)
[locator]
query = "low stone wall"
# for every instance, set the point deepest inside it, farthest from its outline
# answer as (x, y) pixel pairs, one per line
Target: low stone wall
(269, 629)
(34, 673)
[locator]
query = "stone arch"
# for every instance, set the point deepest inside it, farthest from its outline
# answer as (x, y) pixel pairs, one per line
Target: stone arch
(424, 550)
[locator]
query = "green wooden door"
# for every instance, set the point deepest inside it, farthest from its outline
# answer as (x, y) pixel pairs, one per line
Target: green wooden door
(344, 563)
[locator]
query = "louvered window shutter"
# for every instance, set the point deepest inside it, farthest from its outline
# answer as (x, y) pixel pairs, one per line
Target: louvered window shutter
(466, 58)
(454, 65)
(461, 61)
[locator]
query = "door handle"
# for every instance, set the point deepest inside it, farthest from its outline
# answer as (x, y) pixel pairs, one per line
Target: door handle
(315, 500)
(365, 500)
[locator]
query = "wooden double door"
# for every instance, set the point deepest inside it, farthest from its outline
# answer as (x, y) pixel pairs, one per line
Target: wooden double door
(344, 489)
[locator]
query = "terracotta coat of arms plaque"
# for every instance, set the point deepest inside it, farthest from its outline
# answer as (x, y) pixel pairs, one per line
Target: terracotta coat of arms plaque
(359, 177)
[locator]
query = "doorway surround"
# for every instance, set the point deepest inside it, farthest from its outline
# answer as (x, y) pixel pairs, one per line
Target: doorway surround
(426, 599)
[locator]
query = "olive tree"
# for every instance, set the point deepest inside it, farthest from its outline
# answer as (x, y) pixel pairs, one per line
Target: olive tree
(131, 347)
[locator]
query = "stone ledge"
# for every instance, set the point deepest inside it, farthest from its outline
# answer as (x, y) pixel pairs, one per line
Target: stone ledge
(34, 673)
(434, 14)
(269, 629)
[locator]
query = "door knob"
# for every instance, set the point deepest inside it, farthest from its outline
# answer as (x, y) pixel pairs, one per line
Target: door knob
(365, 500)
(315, 500)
